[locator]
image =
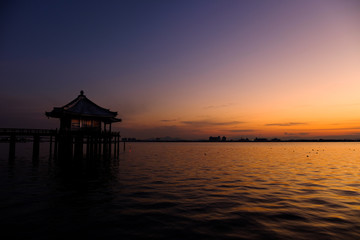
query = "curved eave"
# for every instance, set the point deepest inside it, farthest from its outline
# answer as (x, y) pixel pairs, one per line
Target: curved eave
(113, 120)
(52, 114)
(57, 114)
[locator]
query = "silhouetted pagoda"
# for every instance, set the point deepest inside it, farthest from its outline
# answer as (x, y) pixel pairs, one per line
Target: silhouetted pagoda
(81, 114)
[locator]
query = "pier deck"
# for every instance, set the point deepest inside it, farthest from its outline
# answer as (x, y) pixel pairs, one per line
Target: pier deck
(67, 144)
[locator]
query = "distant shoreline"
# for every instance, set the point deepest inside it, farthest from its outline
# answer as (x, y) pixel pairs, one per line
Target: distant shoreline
(232, 141)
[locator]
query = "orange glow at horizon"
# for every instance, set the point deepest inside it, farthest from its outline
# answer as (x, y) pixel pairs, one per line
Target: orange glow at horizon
(191, 70)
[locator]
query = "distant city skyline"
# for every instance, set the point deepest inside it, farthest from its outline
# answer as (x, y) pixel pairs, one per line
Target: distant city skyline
(187, 69)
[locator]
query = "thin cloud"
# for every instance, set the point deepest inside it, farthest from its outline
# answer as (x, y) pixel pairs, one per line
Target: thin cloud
(336, 129)
(241, 130)
(355, 133)
(168, 120)
(210, 123)
(296, 134)
(218, 106)
(286, 124)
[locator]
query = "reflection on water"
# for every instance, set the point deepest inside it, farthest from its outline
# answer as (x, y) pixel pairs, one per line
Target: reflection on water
(187, 191)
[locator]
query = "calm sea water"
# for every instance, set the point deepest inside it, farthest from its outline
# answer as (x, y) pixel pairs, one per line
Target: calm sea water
(186, 191)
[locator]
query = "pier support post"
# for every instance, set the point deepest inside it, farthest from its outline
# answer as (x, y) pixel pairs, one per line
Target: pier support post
(78, 147)
(105, 146)
(110, 142)
(56, 146)
(115, 140)
(36, 147)
(12, 147)
(91, 147)
(65, 147)
(118, 145)
(88, 147)
(50, 150)
(95, 146)
(99, 150)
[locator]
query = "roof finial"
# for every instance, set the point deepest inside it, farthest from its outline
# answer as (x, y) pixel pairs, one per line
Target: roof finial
(81, 92)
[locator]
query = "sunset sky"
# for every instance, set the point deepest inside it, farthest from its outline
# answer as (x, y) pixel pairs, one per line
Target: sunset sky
(187, 69)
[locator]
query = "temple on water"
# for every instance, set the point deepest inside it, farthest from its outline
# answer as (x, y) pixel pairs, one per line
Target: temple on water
(81, 114)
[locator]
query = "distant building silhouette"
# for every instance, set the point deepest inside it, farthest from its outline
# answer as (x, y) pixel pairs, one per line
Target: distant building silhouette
(261, 140)
(244, 140)
(217, 139)
(214, 139)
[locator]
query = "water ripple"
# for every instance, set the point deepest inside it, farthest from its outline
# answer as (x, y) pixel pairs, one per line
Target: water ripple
(235, 191)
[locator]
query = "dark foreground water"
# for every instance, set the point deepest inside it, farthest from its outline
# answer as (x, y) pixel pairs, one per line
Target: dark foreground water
(186, 191)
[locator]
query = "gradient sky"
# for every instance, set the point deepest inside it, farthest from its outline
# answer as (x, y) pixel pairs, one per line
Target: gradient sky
(187, 69)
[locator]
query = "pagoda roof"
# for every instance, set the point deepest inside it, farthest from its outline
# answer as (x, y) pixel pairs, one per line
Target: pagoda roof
(83, 107)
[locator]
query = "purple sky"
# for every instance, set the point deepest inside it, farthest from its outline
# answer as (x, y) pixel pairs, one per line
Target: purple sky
(185, 69)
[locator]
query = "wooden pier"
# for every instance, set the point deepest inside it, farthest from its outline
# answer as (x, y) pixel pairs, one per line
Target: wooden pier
(65, 144)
